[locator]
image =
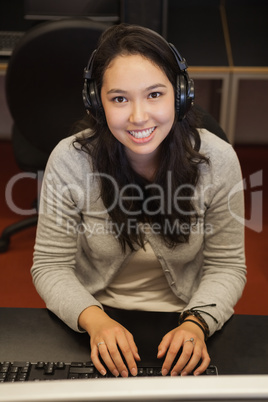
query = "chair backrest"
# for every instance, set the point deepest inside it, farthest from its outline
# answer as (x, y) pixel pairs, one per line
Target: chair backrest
(44, 79)
(208, 122)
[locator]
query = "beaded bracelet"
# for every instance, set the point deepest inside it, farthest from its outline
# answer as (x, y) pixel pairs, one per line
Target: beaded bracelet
(196, 314)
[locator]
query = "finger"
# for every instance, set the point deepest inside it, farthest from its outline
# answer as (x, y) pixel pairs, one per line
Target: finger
(204, 365)
(113, 359)
(199, 353)
(127, 352)
(96, 361)
(133, 346)
(171, 355)
(164, 344)
(188, 360)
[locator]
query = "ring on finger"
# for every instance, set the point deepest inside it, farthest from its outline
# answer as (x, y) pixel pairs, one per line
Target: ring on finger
(100, 343)
(190, 340)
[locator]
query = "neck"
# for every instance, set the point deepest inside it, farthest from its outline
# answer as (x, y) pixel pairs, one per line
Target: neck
(145, 165)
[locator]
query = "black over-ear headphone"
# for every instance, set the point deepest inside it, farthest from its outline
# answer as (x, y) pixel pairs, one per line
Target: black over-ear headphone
(184, 96)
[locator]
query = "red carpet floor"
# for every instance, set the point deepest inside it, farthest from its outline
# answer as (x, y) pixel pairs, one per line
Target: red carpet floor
(16, 289)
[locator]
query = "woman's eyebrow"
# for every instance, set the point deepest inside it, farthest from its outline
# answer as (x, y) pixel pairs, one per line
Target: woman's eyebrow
(116, 91)
(155, 86)
(122, 91)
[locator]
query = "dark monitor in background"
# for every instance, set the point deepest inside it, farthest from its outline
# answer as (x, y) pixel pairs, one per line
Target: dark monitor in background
(98, 10)
(20, 15)
(148, 13)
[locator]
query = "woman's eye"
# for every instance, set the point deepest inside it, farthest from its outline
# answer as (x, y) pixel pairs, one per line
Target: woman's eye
(154, 95)
(120, 99)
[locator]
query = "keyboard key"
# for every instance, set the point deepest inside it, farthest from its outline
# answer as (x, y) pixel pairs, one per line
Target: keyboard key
(77, 364)
(60, 365)
(49, 368)
(14, 369)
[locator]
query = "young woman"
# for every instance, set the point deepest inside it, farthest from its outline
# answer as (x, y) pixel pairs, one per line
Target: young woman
(138, 211)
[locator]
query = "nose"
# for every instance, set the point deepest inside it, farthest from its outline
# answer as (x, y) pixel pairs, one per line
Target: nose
(139, 113)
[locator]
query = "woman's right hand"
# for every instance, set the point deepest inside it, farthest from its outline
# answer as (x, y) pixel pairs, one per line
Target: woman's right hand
(107, 339)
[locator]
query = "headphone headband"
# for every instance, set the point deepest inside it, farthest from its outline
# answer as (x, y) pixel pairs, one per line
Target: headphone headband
(88, 69)
(179, 59)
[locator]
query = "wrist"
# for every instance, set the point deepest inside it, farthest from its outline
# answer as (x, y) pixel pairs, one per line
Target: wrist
(89, 316)
(196, 323)
(195, 317)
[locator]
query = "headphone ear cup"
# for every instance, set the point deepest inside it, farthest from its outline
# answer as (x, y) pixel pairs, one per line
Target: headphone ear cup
(86, 100)
(94, 98)
(180, 96)
(190, 93)
(91, 98)
(184, 95)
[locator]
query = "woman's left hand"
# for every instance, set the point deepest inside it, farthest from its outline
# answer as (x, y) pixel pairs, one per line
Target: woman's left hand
(191, 339)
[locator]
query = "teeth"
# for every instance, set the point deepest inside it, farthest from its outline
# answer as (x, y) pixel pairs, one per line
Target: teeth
(143, 133)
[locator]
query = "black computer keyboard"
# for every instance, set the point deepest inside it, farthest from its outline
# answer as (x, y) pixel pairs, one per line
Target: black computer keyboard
(8, 41)
(40, 371)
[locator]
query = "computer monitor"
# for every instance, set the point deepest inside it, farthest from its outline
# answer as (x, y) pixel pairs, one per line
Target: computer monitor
(99, 10)
(247, 388)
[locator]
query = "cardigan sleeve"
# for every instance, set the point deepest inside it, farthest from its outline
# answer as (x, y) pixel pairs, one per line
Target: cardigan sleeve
(224, 270)
(53, 269)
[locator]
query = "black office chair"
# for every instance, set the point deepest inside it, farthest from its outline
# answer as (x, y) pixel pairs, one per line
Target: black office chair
(208, 122)
(44, 82)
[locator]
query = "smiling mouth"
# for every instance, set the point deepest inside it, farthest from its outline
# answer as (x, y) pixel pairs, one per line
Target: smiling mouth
(142, 133)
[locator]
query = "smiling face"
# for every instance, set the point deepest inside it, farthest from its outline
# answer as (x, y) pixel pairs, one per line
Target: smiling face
(138, 100)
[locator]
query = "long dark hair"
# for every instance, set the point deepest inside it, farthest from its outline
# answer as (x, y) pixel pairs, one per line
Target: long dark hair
(178, 171)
